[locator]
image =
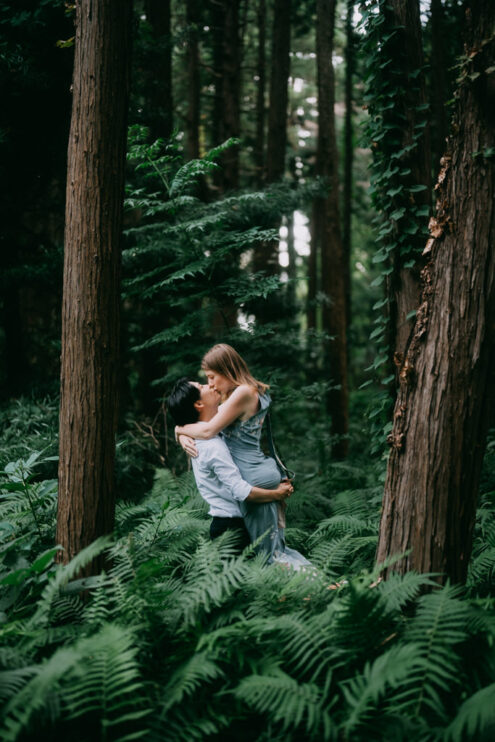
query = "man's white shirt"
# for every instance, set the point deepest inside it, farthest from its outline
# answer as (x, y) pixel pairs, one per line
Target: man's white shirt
(218, 479)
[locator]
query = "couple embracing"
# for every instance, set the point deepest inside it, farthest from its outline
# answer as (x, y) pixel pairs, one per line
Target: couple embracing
(219, 425)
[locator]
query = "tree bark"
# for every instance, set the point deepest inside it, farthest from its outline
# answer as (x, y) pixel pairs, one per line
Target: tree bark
(266, 255)
(446, 379)
(439, 87)
(160, 69)
(194, 84)
(259, 145)
(279, 95)
(328, 237)
(227, 70)
(404, 286)
(90, 308)
(348, 155)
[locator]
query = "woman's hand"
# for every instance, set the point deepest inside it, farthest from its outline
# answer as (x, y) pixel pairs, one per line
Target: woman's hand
(188, 445)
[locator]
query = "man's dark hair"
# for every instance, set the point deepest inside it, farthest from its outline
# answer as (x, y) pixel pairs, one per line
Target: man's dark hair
(181, 401)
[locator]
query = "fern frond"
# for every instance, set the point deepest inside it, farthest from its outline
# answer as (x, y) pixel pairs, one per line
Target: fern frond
(286, 701)
(398, 590)
(195, 673)
(475, 719)
(62, 576)
(389, 671)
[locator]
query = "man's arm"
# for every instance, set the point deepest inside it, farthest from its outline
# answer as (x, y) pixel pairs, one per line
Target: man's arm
(259, 495)
(222, 463)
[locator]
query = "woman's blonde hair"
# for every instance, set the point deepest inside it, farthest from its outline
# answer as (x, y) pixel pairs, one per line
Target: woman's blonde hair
(223, 359)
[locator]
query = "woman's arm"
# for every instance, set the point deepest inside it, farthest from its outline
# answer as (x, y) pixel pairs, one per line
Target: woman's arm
(229, 411)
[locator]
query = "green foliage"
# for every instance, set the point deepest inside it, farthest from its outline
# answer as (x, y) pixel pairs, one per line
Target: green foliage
(184, 256)
(400, 215)
(181, 639)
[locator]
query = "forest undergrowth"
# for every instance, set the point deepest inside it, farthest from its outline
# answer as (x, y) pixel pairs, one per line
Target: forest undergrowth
(178, 639)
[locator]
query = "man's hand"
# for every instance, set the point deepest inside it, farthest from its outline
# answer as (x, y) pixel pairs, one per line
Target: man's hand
(284, 489)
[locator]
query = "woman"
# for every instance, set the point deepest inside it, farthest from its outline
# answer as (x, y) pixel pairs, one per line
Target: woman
(240, 417)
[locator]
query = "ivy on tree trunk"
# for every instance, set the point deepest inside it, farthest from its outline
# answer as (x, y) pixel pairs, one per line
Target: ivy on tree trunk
(446, 378)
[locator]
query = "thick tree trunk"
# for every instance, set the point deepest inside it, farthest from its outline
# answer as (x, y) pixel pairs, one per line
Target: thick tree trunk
(259, 145)
(160, 67)
(348, 155)
(404, 287)
(328, 240)
(446, 379)
(90, 310)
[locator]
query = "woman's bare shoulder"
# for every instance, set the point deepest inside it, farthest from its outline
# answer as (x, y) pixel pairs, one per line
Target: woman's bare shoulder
(244, 391)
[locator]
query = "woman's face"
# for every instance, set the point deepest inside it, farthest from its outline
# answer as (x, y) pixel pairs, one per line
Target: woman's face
(218, 382)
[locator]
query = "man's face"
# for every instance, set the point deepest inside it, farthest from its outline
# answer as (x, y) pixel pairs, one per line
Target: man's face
(209, 397)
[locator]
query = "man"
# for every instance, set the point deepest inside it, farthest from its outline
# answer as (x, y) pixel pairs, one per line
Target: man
(217, 477)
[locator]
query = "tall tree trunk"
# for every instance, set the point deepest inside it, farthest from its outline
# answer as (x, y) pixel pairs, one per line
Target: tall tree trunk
(227, 71)
(328, 238)
(348, 155)
(446, 379)
(404, 287)
(231, 80)
(439, 86)
(279, 95)
(193, 77)
(90, 310)
(160, 69)
(259, 145)
(312, 274)
(266, 254)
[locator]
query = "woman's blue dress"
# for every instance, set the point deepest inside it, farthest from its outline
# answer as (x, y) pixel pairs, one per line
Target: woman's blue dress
(243, 439)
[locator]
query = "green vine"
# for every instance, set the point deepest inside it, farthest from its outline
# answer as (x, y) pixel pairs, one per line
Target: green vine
(400, 220)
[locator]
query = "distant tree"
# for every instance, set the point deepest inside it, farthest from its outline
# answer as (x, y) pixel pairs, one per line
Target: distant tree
(193, 19)
(327, 232)
(35, 75)
(90, 312)
(348, 152)
(259, 145)
(279, 78)
(266, 255)
(439, 85)
(446, 378)
(227, 80)
(158, 70)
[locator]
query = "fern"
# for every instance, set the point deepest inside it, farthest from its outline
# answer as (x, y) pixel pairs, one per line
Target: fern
(475, 719)
(294, 705)
(193, 674)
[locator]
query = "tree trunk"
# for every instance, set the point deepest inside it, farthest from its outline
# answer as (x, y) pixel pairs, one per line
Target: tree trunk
(348, 156)
(439, 86)
(227, 71)
(446, 379)
(266, 254)
(259, 145)
(160, 69)
(90, 309)
(231, 80)
(279, 96)
(404, 287)
(194, 84)
(328, 239)
(312, 274)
